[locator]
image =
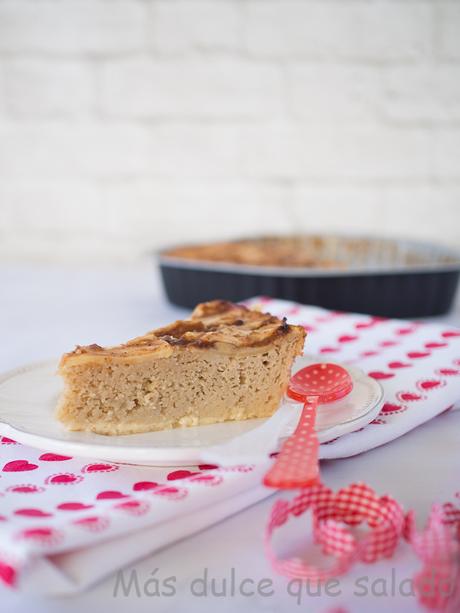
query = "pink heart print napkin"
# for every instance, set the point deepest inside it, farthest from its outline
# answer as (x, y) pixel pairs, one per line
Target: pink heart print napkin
(418, 365)
(65, 522)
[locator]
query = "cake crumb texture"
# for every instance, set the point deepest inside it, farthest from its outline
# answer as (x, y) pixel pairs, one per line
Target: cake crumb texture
(226, 362)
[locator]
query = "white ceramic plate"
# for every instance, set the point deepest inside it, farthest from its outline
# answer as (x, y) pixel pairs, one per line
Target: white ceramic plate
(28, 398)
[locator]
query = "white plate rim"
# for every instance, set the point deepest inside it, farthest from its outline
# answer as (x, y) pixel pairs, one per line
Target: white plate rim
(157, 456)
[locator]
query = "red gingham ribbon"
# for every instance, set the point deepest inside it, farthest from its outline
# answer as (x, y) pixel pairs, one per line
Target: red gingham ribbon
(334, 516)
(438, 547)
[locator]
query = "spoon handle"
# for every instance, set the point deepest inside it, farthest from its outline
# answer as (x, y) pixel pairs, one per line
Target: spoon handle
(296, 465)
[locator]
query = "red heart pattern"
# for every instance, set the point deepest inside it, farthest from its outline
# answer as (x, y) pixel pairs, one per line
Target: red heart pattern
(378, 375)
(7, 574)
(144, 485)
(363, 325)
(206, 479)
(451, 334)
(99, 468)
(388, 343)
(63, 479)
(180, 474)
(430, 384)
(329, 350)
(396, 365)
(53, 457)
(27, 488)
(392, 409)
(449, 372)
(172, 493)
(347, 338)
(416, 355)
(110, 495)
(16, 466)
(409, 396)
(4, 440)
(74, 506)
(32, 513)
(133, 507)
(43, 536)
(93, 523)
(404, 331)
(435, 345)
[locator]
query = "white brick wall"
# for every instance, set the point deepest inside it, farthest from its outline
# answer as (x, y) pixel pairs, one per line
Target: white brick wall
(74, 27)
(34, 89)
(182, 27)
(219, 87)
(126, 125)
(352, 30)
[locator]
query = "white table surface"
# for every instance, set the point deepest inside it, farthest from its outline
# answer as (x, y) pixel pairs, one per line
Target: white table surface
(45, 310)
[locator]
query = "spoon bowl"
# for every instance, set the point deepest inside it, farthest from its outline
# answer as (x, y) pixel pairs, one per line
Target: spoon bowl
(327, 381)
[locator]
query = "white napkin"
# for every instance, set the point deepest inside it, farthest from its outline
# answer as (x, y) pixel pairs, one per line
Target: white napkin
(417, 364)
(63, 519)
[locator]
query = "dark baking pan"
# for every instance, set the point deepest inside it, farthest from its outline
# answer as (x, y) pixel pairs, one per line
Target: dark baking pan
(390, 278)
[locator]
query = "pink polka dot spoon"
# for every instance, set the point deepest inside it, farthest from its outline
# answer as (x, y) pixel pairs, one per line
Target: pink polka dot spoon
(296, 465)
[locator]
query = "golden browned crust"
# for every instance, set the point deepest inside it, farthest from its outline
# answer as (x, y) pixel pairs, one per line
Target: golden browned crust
(217, 324)
(296, 251)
